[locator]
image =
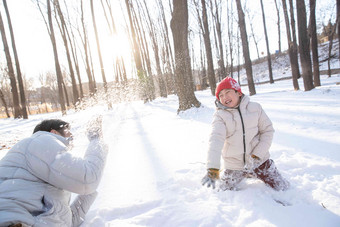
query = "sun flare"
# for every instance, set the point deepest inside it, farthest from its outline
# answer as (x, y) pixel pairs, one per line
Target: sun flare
(116, 45)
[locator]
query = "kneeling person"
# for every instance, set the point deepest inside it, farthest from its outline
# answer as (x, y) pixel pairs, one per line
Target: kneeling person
(38, 175)
(243, 133)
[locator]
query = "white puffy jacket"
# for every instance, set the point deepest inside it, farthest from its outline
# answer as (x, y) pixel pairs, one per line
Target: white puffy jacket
(38, 175)
(227, 135)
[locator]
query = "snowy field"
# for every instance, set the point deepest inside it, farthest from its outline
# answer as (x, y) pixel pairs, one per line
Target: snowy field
(157, 159)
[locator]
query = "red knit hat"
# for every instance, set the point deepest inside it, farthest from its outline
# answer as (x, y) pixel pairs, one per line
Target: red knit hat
(227, 83)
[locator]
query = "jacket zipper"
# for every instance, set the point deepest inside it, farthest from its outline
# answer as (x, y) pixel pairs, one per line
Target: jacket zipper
(244, 137)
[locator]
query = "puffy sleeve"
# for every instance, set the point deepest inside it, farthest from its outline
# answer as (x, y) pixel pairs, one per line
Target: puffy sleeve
(266, 133)
(216, 141)
(81, 206)
(48, 160)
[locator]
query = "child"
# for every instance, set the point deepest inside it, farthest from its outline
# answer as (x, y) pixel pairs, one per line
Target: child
(244, 133)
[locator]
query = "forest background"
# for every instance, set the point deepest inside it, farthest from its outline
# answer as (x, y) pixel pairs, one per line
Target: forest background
(61, 55)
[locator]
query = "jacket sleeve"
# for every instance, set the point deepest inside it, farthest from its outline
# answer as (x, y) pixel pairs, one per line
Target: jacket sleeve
(80, 207)
(266, 133)
(48, 160)
(216, 142)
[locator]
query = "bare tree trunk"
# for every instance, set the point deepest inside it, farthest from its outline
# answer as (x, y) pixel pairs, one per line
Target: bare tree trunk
(226, 61)
(92, 68)
(17, 64)
(56, 60)
(42, 92)
(245, 47)
(118, 75)
(112, 27)
(295, 47)
(230, 29)
(238, 56)
(117, 70)
(179, 27)
(204, 83)
(269, 58)
(66, 94)
(338, 18)
(98, 48)
(153, 36)
(206, 36)
(63, 31)
(137, 56)
(120, 68)
(73, 47)
(304, 50)
(119, 60)
(123, 69)
(165, 24)
(330, 40)
(14, 89)
(250, 19)
(2, 97)
(294, 67)
(49, 26)
(168, 56)
(76, 63)
(314, 42)
(278, 25)
(143, 44)
(86, 50)
(219, 36)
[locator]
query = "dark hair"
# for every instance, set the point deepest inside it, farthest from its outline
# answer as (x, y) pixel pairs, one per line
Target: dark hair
(48, 125)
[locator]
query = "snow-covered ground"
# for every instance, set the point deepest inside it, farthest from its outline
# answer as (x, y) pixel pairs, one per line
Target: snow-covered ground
(157, 159)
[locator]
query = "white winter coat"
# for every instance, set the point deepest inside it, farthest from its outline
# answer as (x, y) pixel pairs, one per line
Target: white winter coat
(38, 175)
(227, 135)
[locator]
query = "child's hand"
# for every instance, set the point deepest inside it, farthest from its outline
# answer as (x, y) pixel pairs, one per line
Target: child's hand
(211, 177)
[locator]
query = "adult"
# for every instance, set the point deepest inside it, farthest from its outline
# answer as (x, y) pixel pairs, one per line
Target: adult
(39, 174)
